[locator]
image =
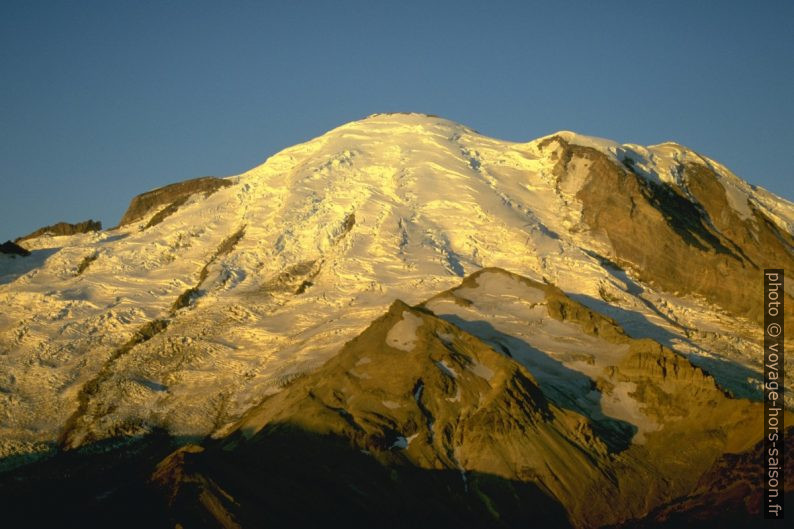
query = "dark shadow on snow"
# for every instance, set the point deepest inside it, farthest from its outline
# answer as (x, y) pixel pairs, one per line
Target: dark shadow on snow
(13, 267)
(734, 378)
(565, 387)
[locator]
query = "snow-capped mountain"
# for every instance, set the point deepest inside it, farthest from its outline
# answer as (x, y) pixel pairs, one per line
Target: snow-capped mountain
(430, 296)
(213, 293)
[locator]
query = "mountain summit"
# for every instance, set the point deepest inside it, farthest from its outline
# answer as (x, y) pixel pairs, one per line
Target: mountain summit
(613, 284)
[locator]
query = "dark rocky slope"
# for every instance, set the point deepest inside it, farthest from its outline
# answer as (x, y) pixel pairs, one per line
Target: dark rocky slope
(691, 241)
(172, 196)
(729, 496)
(12, 248)
(429, 411)
(64, 228)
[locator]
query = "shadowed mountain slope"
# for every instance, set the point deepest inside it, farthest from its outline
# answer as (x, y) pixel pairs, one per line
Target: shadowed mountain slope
(415, 391)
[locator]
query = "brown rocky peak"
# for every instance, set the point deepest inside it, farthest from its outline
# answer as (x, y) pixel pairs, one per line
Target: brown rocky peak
(145, 203)
(64, 228)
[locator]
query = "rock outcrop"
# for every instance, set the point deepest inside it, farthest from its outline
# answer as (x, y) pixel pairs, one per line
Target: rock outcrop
(64, 228)
(11, 248)
(682, 239)
(172, 196)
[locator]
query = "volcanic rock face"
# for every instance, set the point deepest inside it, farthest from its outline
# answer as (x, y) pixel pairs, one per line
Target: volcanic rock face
(12, 248)
(172, 196)
(684, 238)
(626, 326)
(64, 228)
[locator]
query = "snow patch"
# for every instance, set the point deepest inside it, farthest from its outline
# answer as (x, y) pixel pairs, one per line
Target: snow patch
(737, 194)
(418, 391)
(492, 285)
(403, 442)
(602, 144)
(447, 370)
(621, 405)
(403, 334)
(457, 396)
(481, 370)
(447, 338)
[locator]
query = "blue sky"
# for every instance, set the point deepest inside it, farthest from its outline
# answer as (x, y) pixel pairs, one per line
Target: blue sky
(101, 100)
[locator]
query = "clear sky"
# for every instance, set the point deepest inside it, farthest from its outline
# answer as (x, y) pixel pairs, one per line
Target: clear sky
(101, 100)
